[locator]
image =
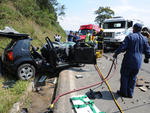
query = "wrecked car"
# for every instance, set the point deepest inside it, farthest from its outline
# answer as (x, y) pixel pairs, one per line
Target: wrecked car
(21, 58)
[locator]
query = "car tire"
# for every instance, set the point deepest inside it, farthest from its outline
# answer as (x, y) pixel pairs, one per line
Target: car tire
(26, 71)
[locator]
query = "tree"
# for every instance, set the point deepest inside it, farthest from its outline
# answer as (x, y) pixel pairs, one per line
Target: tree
(46, 4)
(53, 7)
(61, 11)
(103, 13)
(59, 8)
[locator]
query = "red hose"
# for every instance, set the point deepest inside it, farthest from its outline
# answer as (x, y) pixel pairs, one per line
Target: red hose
(75, 90)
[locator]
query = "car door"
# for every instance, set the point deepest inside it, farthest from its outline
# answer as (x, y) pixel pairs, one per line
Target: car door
(84, 55)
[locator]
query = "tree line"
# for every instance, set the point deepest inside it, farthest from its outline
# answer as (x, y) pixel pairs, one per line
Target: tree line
(103, 13)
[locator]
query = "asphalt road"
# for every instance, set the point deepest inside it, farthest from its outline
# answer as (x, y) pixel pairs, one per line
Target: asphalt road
(140, 103)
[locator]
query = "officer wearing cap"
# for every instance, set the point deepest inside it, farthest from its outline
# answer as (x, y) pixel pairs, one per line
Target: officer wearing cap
(133, 45)
(70, 36)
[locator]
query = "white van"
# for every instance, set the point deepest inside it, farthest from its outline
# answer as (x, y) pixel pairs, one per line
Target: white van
(115, 30)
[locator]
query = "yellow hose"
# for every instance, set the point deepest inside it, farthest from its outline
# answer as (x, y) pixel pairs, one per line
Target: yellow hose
(109, 88)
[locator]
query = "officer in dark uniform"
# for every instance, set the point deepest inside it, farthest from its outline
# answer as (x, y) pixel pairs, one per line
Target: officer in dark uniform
(70, 36)
(134, 45)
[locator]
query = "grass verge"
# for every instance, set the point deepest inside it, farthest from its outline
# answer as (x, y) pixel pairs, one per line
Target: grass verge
(9, 96)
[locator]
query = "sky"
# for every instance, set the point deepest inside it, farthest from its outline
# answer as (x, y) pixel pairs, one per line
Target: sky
(81, 12)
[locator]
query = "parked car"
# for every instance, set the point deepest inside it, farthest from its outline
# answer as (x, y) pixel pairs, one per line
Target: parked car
(21, 58)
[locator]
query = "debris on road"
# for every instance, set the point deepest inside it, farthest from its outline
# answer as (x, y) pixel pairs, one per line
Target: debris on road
(94, 94)
(8, 84)
(147, 82)
(24, 110)
(143, 88)
(148, 86)
(142, 84)
(79, 76)
(55, 80)
(139, 81)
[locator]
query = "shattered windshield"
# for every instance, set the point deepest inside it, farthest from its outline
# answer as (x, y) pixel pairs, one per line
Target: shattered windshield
(84, 31)
(114, 25)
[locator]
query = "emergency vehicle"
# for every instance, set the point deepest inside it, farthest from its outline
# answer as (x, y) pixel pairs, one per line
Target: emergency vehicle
(87, 28)
(115, 30)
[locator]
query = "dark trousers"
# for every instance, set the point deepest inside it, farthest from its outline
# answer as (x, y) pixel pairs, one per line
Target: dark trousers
(128, 80)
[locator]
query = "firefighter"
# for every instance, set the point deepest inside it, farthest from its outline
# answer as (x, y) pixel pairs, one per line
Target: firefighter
(88, 37)
(99, 43)
(93, 37)
(100, 39)
(88, 40)
(134, 45)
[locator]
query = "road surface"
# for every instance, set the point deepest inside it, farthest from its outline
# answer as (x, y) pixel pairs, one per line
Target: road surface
(140, 103)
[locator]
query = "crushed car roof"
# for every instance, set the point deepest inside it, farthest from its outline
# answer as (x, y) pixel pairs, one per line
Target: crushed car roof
(9, 32)
(14, 35)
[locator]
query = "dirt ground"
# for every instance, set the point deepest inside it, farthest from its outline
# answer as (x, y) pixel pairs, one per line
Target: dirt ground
(39, 101)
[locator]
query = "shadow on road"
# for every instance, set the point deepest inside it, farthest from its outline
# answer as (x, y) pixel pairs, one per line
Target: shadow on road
(107, 95)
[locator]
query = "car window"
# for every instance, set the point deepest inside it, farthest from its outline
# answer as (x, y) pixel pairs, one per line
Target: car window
(23, 44)
(11, 45)
(4, 43)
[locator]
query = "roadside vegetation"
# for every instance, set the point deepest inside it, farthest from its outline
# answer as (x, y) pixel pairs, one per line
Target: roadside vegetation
(103, 13)
(38, 18)
(9, 96)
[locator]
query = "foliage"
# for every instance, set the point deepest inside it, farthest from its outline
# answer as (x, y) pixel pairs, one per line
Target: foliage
(38, 10)
(26, 7)
(29, 16)
(7, 15)
(103, 13)
(61, 11)
(11, 95)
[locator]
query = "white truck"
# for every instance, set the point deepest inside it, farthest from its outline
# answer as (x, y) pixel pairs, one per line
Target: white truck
(115, 30)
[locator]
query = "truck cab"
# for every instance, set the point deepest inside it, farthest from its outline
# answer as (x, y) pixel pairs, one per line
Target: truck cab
(115, 30)
(87, 28)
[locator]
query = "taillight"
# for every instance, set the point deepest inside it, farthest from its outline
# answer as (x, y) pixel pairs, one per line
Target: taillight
(10, 56)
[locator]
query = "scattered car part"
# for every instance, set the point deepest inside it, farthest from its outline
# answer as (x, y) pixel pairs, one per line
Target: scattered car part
(24, 110)
(94, 94)
(79, 76)
(143, 88)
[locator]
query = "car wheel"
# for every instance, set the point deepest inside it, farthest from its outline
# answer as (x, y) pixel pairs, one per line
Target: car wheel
(26, 71)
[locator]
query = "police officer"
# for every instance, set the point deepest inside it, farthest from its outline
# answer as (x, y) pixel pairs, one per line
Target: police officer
(134, 45)
(76, 37)
(70, 36)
